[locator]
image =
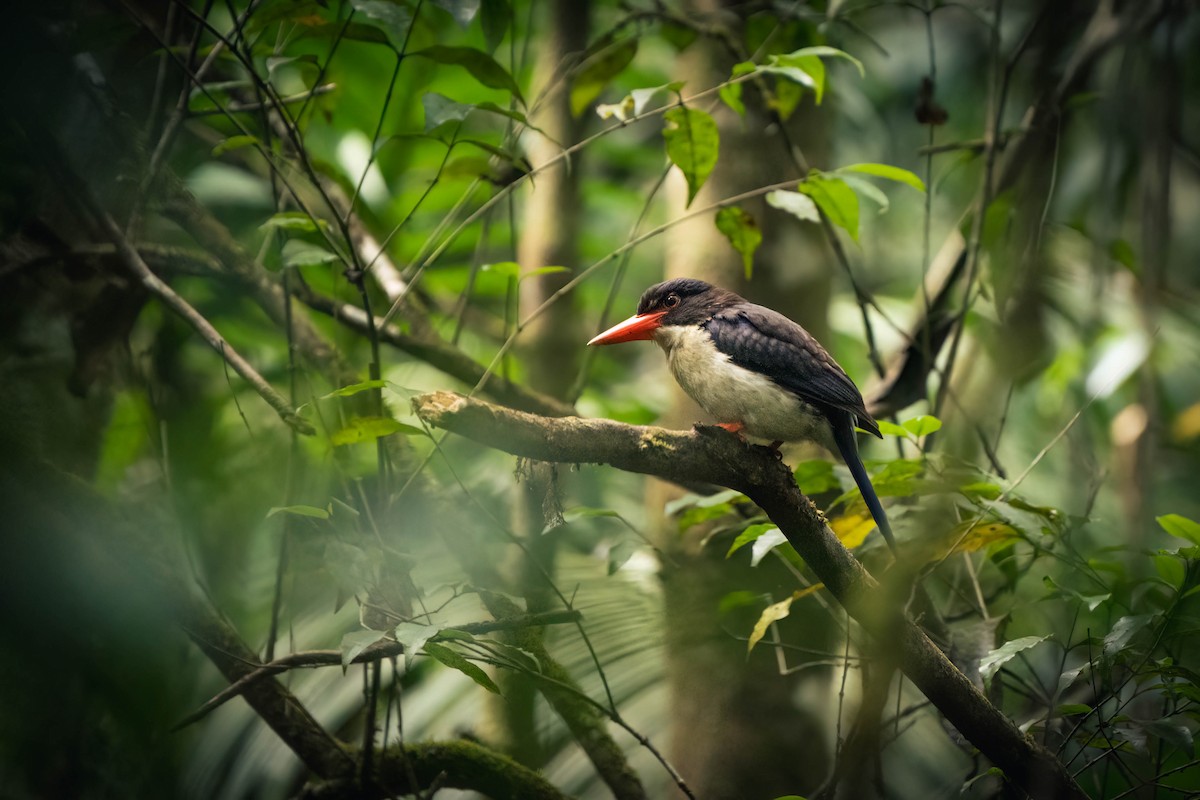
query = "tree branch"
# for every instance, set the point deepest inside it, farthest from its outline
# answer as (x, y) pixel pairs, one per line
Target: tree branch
(461, 765)
(376, 652)
(710, 454)
(136, 265)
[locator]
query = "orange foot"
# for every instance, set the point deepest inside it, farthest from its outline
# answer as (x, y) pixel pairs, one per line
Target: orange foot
(734, 427)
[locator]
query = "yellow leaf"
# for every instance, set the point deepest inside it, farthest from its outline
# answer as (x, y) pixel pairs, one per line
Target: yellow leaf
(1187, 425)
(776, 612)
(853, 527)
(979, 536)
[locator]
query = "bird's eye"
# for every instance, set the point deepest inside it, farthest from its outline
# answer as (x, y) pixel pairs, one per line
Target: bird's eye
(671, 301)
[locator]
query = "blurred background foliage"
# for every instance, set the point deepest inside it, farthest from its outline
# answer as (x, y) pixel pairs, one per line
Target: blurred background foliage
(375, 198)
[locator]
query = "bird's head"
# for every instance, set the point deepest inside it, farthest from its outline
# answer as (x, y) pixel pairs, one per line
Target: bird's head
(682, 301)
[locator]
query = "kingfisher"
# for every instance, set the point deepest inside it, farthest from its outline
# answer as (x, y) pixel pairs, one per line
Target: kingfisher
(757, 372)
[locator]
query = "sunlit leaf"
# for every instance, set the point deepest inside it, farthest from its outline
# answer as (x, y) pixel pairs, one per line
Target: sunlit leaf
(355, 388)
(742, 231)
(392, 18)
(798, 205)
(768, 541)
(355, 642)
(1180, 527)
(922, 425)
(891, 429)
(1124, 630)
(692, 145)
(290, 221)
(776, 612)
(300, 511)
(413, 636)
(362, 429)
(731, 95)
(506, 269)
(991, 663)
(887, 172)
(642, 97)
(853, 527)
(749, 535)
(973, 535)
(482, 67)
(835, 199)
(298, 253)
(597, 71)
(455, 660)
(234, 143)
(463, 11)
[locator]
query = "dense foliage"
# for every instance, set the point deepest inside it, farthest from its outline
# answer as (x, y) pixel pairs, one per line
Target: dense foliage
(238, 238)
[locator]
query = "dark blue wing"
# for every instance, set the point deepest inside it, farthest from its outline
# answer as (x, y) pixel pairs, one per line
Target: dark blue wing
(769, 343)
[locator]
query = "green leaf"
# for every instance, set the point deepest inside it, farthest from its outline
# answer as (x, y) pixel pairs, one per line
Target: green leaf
(355, 642)
(1071, 709)
(297, 253)
(742, 231)
(731, 95)
(234, 143)
(597, 71)
(482, 67)
(440, 110)
(506, 269)
(642, 97)
(702, 501)
(751, 534)
(798, 205)
(355, 388)
(494, 16)
(1123, 253)
(678, 36)
(823, 51)
(887, 172)
(1123, 632)
(364, 429)
(518, 659)
(1171, 569)
(392, 18)
(807, 71)
(864, 188)
(456, 661)
(991, 663)
(835, 199)
(413, 636)
(619, 553)
(816, 476)
(533, 273)
(922, 425)
(764, 544)
(300, 511)
(804, 67)
(290, 221)
(891, 429)
(692, 145)
(1180, 527)
(463, 11)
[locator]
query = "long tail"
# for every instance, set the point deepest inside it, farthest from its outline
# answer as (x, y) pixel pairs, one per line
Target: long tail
(843, 436)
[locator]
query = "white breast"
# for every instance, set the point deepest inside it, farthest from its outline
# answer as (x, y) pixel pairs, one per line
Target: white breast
(735, 394)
